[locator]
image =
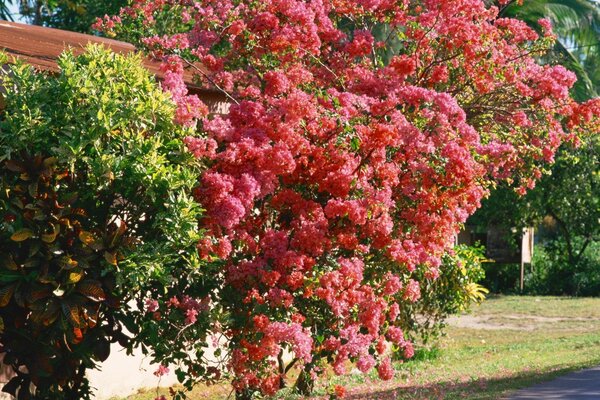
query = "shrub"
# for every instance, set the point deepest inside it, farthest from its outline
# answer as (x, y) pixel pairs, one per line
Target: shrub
(552, 273)
(96, 214)
(502, 277)
(455, 290)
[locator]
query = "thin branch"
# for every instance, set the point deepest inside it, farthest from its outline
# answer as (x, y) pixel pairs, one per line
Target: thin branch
(325, 66)
(215, 84)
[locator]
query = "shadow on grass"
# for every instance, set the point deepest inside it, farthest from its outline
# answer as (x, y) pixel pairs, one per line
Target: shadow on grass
(482, 388)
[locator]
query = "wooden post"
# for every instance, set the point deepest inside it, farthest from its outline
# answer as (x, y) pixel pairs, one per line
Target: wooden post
(526, 252)
(522, 275)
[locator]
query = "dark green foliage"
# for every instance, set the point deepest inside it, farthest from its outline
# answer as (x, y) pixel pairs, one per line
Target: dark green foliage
(552, 274)
(565, 206)
(502, 277)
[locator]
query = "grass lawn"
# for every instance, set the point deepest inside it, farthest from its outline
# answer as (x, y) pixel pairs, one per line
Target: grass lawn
(507, 343)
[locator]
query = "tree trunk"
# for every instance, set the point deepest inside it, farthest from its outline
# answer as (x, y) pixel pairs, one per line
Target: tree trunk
(305, 384)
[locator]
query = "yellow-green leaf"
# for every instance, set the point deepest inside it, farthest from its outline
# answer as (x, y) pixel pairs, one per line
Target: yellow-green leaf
(111, 258)
(21, 235)
(86, 237)
(50, 161)
(75, 276)
(51, 237)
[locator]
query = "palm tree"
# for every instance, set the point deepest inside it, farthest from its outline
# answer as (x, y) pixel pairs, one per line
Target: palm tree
(5, 12)
(73, 15)
(32, 10)
(577, 26)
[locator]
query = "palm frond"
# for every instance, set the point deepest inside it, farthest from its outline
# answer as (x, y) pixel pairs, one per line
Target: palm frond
(577, 26)
(5, 13)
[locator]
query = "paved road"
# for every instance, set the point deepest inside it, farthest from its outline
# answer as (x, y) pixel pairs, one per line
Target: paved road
(580, 385)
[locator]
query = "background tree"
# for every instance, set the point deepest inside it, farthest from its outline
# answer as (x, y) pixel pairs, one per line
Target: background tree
(566, 199)
(576, 24)
(71, 15)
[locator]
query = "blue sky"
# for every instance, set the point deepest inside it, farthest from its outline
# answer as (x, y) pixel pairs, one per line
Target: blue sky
(14, 9)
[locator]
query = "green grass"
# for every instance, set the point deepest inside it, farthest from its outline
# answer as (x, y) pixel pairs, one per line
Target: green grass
(505, 344)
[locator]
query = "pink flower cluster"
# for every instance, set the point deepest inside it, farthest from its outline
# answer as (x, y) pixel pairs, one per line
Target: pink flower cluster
(342, 170)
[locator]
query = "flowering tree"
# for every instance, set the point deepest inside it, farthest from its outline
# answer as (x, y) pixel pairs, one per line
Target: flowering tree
(361, 134)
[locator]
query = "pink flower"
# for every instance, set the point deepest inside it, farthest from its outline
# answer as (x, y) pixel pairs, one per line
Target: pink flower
(546, 26)
(361, 45)
(190, 316)
(161, 371)
(365, 363)
(151, 305)
(385, 370)
(332, 177)
(412, 291)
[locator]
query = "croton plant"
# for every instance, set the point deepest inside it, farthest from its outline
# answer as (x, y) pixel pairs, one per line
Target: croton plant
(95, 214)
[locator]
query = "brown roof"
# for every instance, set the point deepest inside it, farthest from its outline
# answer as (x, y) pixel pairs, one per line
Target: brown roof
(40, 47)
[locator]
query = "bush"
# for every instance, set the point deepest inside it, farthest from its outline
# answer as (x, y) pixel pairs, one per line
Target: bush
(455, 290)
(552, 274)
(502, 277)
(95, 212)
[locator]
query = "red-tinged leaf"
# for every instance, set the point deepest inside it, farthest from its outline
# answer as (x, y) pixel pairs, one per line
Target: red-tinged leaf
(72, 313)
(77, 336)
(39, 293)
(14, 166)
(92, 290)
(122, 229)
(6, 294)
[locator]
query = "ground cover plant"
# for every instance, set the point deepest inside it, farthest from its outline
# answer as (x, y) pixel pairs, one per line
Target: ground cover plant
(361, 134)
(507, 343)
(95, 212)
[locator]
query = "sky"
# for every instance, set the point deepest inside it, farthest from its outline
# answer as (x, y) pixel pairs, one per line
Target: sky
(14, 9)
